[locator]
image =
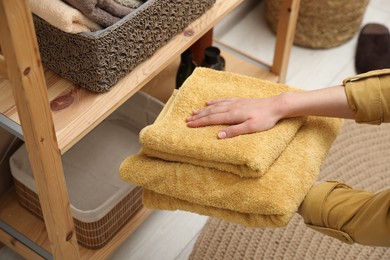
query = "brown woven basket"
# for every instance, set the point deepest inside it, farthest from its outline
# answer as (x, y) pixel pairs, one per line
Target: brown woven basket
(321, 24)
(98, 60)
(94, 234)
(100, 202)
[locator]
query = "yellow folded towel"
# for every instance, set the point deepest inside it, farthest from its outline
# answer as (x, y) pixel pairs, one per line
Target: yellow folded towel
(247, 155)
(155, 200)
(63, 16)
(267, 201)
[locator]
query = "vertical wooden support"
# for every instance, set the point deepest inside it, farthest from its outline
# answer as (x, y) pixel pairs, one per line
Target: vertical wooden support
(20, 49)
(3, 70)
(288, 16)
(200, 45)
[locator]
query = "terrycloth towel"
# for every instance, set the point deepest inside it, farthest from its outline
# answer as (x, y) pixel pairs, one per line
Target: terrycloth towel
(103, 12)
(130, 3)
(268, 201)
(247, 155)
(63, 16)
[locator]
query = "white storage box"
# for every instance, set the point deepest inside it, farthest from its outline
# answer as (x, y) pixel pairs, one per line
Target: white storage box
(101, 203)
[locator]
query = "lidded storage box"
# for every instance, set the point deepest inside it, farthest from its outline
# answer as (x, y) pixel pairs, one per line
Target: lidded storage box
(97, 60)
(101, 203)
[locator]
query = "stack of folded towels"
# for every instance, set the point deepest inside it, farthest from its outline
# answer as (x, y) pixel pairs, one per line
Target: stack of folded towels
(257, 180)
(75, 16)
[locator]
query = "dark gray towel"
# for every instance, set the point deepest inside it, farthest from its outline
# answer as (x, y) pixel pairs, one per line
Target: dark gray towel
(103, 12)
(130, 3)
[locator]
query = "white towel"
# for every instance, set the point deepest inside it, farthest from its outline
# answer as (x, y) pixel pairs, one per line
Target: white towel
(63, 16)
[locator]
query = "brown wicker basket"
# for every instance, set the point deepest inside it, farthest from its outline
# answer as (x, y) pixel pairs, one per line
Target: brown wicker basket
(94, 234)
(100, 202)
(321, 24)
(98, 60)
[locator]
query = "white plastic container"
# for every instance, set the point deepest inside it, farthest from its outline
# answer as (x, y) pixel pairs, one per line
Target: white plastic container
(101, 203)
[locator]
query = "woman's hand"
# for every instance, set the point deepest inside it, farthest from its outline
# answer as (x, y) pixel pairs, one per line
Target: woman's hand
(249, 115)
(244, 115)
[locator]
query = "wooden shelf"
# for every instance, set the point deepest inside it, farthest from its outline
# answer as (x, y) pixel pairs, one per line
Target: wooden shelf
(86, 111)
(31, 226)
(89, 109)
(74, 122)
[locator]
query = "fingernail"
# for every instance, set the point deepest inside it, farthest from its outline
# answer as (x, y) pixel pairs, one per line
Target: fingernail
(195, 111)
(222, 134)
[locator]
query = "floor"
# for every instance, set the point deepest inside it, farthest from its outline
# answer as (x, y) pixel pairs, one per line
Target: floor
(171, 235)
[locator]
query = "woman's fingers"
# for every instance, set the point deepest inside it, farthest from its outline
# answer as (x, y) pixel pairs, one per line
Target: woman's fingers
(219, 100)
(218, 111)
(207, 111)
(210, 119)
(236, 130)
(249, 126)
(215, 108)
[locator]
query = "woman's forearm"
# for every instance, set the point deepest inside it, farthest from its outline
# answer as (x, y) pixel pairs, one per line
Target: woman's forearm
(330, 102)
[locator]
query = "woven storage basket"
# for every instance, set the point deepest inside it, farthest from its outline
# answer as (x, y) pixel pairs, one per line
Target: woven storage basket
(101, 203)
(97, 60)
(94, 234)
(322, 24)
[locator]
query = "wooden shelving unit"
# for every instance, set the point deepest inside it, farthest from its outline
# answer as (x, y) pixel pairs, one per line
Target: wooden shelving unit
(26, 91)
(90, 109)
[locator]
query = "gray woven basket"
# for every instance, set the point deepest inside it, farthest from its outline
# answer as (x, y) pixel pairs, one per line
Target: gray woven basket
(96, 61)
(322, 23)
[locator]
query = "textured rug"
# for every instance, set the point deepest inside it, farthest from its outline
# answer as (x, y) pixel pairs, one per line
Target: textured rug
(360, 157)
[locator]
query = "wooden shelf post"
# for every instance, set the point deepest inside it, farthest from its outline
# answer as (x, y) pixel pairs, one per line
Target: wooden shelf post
(288, 16)
(24, 69)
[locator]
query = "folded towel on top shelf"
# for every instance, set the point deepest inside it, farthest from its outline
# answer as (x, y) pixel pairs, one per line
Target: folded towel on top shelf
(269, 199)
(103, 12)
(247, 155)
(130, 3)
(63, 16)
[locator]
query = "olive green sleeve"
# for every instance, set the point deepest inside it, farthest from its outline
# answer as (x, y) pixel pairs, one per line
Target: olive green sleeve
(338, 210)
(349, 215)
(368, 96)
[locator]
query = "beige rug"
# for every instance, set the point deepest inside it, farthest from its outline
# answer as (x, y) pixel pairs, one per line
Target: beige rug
(360, 157)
